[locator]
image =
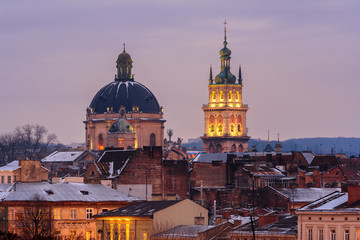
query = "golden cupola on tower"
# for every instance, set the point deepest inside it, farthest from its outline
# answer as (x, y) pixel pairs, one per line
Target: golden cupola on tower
(225, 114)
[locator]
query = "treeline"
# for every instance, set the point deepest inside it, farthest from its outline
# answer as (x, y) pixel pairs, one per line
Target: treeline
(25, 142)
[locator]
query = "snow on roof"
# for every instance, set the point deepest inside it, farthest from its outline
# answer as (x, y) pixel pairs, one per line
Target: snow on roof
(210, 157)
(185, 231)
(329, 202)
(305, 194)
(66, 192)
(62, 156)
(10, 166)
(308, 156)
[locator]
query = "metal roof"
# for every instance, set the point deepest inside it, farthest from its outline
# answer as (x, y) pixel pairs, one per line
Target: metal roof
(62, 156)
(139, 209)
(210, 157)
(65, 192)
(10, 166)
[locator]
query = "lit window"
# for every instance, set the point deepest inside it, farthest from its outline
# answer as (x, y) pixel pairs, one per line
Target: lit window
(89, 213)
(73, 235)
(57, 213)
(220, 129)
(213, 96)
(357, 234)
(145, 236)
(230, 96)
(221, 96)
(89, 235)
(73, 214)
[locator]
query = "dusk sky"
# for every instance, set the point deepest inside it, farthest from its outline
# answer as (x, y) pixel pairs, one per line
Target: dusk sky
(300, 61)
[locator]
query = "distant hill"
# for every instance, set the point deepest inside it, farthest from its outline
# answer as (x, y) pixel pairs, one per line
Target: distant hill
(348, 146)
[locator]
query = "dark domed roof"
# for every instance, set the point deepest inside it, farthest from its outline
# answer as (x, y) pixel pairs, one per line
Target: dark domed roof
(129, 94)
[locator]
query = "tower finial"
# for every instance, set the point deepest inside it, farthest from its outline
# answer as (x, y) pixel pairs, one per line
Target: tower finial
(124, 47)
(225, 22)
(268, 136)
(240, 75)
(211, 76)
(278, 134)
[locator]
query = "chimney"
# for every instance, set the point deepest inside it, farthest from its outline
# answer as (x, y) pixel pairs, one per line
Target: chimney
(353, 194)
(267, 219)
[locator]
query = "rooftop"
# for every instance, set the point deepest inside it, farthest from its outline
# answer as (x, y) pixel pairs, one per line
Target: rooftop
(65, 192)
(139, 209)
(305, 194)
(62, 156)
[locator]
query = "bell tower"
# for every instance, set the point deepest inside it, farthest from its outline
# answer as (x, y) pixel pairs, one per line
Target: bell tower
(225, 114)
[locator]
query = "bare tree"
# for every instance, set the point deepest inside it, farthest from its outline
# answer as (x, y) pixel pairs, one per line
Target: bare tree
(8, 147)
(26, 142)
(35, 222)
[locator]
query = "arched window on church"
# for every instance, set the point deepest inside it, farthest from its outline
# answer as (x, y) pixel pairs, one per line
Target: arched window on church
(219, 119)
(230, 96)
(239, 125)
(221, 96)
(218, 148)
(220, 130)
(100, 142)
(237, 96)
(213, 96)
(233, 148)
(211, 148)
(152, 140)
(232, 125)
(241, 148)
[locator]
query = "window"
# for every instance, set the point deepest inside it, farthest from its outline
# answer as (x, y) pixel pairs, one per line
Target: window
(105, 210)
(57, 213)
(357, 234)
(145, 236)
(73, 213)
(211, 148)
(89, 235)
(11, 215)
(332, 235)
(2, 179)
(321, 234)
(152, 140)
(310, 235)
(101, 142)
(346, 235)
(220, 129)
(9, 179)
(89, 213)
(73, 235)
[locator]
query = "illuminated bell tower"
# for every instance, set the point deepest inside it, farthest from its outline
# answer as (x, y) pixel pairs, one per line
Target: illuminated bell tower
(225, 114)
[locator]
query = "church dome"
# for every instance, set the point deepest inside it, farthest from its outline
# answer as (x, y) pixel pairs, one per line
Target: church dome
(134, 96)
(121, 126)
(124, 91)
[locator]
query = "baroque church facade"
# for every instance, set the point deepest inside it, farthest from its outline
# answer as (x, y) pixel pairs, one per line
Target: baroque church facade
(124, 113)
(225, 114)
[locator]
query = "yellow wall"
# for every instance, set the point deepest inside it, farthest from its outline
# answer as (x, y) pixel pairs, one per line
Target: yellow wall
(183, 213)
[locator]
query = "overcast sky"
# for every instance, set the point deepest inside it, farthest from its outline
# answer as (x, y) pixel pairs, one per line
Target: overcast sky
(300, 61)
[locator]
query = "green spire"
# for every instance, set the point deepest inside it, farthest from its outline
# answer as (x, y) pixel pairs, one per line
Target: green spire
(225, 76)
(240, 76)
